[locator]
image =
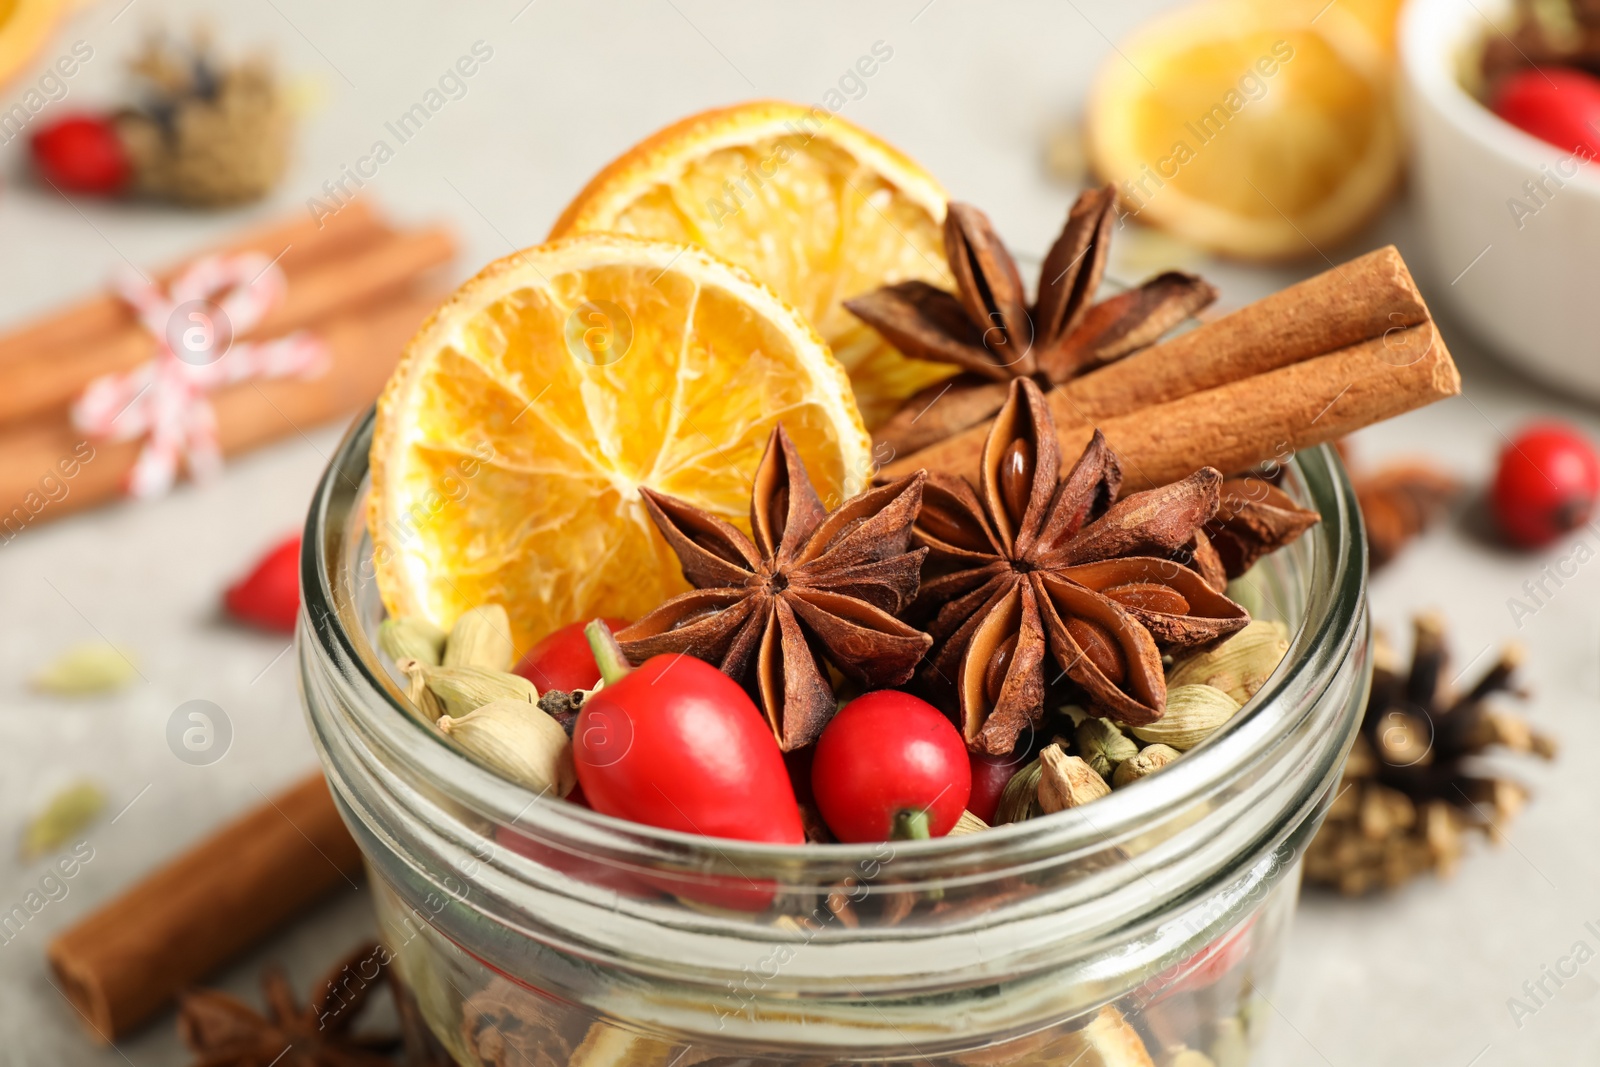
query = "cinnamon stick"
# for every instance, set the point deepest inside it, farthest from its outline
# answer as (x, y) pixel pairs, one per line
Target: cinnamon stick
(1356, 301)
(1256, 418)
(124, 962)
(50, 470)
(301, 242)
(47, 380)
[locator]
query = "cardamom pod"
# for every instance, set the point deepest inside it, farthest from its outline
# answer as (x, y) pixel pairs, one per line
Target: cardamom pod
(416, 639)
(1067, 781)
(1019, 800)
(967, 824)
(1103, 745)
(1238, 666)
(1150, 759)
(481, 637)
(84, 669)
(517, 741)
(68, 812)
(423, 704)
(1194, 712)
(461, 689)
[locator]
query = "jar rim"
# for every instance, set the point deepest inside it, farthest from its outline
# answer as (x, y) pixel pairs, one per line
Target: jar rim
(1332, 623)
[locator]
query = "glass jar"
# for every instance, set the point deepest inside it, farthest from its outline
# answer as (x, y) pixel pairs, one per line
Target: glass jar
(531, 931)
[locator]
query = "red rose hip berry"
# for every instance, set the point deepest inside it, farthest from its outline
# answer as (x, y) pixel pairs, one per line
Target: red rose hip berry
(563, 661)
(890, 766)
(82, 154)
(1547, 484)
(269, 596)
(1555, 104)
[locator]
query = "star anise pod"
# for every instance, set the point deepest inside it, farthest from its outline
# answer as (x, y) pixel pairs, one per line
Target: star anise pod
(1416, 779)
(1028, 561)
(987, 328)
(1254, 517)
(811, 589)
(223, 1031)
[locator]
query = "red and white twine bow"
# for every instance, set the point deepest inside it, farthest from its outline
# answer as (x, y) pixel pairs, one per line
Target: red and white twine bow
(165, 400)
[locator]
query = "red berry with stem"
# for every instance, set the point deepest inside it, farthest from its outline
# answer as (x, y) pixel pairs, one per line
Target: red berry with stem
(1554, 104)
(676, 743)
(269, 596)
(562, 660)
(1547, 484)
(890, 766)
(82, 154)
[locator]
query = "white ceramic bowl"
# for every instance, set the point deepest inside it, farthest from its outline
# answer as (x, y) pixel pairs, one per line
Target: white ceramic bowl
(1527, 279)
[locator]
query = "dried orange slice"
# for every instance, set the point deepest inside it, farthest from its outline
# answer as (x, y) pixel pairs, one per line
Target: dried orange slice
(1248, 128)
(817, 208)
(525, 415)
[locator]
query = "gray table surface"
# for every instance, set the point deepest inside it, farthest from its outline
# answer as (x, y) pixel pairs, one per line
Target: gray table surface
(1421, 976)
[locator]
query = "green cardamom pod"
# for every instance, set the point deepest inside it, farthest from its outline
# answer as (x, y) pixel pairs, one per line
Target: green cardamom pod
(424, 705)
(416, 639)
(1103, 745)
(1194, 712)
(1019, 800)
(461, 689)
(1067, 781)
(517, 741)
(481, 637)
(1150, 759)
(1238, 666)
(967, 824)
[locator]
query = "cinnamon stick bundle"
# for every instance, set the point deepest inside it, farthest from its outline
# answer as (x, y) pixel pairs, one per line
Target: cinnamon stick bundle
(300, 241)
(1334, 353)
(126, 961)
(44, 379)
(355, 282)
(363, 345)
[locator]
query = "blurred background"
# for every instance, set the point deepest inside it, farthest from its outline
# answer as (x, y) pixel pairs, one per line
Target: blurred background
(121, 615)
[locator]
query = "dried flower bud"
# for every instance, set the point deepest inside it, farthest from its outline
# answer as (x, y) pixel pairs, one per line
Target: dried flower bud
(416, 639)
(1067, 781)
(1103, 745)
(1238, 666)
(517, 741)
(481, 637)
(1150, 759)
(1019, 800)
(461, 689)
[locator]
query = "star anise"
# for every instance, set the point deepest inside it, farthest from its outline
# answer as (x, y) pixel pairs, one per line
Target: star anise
(811, 589)
(987, 328)
(1030, 561)
(223, 1031)
(1416, 779)
(1254, 517)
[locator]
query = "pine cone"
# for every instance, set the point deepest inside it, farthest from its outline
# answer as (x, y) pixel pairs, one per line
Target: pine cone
(1415, 781)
